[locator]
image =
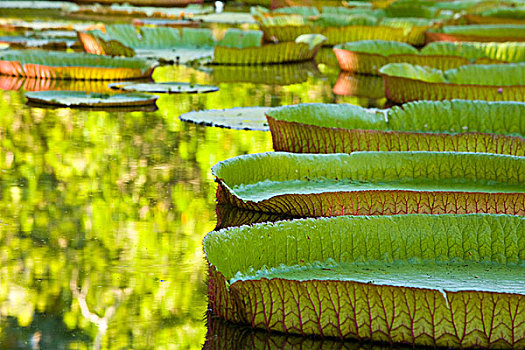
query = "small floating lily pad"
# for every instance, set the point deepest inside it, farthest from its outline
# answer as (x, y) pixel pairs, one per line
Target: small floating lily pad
(247, 118)
(86, 99)
(166, 88)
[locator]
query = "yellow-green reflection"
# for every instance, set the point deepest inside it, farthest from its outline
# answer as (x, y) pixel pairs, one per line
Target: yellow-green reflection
(102, 215)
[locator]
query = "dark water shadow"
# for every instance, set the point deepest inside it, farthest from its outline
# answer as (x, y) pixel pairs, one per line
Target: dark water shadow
(224, 335)
(230, 216)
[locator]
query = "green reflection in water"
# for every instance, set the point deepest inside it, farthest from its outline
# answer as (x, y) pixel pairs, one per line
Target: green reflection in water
(102, 215)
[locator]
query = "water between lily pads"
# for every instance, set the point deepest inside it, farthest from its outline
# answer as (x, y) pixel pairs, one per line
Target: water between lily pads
(102, 213)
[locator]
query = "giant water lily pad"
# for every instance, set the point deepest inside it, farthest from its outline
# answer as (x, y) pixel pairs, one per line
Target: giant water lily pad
(499, 15)
(449, 126)
(191, 45)
(167, 45)
(304, 48)
(343, 27)
(482, 33)
(241, 118)
(61, 65)
(166, 87)
(86, 99)
(373, 183)
(496, 82)
(430, 280)
(369, 56)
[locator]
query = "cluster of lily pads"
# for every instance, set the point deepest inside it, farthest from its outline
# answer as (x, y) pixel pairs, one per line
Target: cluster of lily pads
(85, 80)
(403, 225)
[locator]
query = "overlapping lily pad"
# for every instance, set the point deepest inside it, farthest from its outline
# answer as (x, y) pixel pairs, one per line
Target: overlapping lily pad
(303, 49)
(61, 65)
(499, 15)
(370, 55)
(342, 26)
(453, 281)
(240, 118)
(199, 44)
(496, 82)
(373, 183)
(161, 43)
(482, 33)
(165, 87)
(448, 126)
(85, 99)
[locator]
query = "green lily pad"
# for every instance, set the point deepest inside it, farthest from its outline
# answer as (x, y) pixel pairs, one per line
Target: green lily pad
(303, 49)
(483, 33)
(409, 279)
(241, 118)
(454, 126)
(167, 45)
(61, 65)
(86, 99)
(373, 183)
(164, 88)
(494, 82)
